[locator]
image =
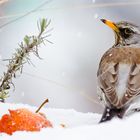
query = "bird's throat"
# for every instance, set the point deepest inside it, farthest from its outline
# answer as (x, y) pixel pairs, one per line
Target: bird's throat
(118, 40)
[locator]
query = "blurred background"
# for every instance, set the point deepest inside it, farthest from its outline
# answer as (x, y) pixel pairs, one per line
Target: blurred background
(67, 73)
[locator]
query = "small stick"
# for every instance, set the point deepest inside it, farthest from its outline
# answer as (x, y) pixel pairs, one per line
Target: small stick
(46, 101)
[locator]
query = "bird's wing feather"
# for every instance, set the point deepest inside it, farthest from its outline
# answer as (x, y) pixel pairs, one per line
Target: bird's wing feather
(107, 77)
(133, 84)
(108, 74)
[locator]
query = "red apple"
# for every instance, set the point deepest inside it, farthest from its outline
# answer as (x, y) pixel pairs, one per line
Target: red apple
(23, 120)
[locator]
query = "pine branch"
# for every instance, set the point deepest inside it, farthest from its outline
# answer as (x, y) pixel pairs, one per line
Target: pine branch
(29, 45)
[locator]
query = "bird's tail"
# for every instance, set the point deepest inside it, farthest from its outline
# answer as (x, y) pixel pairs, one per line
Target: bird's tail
(109, 113)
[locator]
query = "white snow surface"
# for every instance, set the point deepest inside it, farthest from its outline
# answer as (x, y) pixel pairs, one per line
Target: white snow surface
(79, 126)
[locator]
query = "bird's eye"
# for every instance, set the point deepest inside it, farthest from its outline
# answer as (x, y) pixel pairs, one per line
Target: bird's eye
(127, 31)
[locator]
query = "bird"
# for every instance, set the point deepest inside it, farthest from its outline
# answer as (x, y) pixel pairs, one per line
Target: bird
(119, 71)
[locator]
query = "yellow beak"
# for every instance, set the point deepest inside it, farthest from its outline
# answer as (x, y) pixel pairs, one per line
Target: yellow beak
(111, 24)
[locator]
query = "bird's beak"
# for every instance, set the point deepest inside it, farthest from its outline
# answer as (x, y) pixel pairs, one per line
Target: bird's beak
(111, 24)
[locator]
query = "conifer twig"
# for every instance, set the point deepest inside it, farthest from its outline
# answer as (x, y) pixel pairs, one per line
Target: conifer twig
(30, 44)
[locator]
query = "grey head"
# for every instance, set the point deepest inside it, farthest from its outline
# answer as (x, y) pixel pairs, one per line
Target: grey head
(126, 33)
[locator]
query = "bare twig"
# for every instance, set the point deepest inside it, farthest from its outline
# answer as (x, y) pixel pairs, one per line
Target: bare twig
(46, 101)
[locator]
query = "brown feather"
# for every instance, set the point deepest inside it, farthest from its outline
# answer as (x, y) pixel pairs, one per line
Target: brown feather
(108, 74)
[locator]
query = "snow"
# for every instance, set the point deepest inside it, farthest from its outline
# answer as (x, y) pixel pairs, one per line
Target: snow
(96, 16)
(79, 126)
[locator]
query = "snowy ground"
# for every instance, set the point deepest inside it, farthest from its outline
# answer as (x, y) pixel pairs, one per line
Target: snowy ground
(79, 126)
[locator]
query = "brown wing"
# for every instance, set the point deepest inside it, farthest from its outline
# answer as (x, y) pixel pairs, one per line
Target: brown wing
(108, 70)
(133, 85)
(107, 79)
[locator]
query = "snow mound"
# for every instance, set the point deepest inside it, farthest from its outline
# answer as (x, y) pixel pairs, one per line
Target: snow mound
(78, 126)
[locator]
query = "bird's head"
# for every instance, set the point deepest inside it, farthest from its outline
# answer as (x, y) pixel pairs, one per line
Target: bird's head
(125, 33)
